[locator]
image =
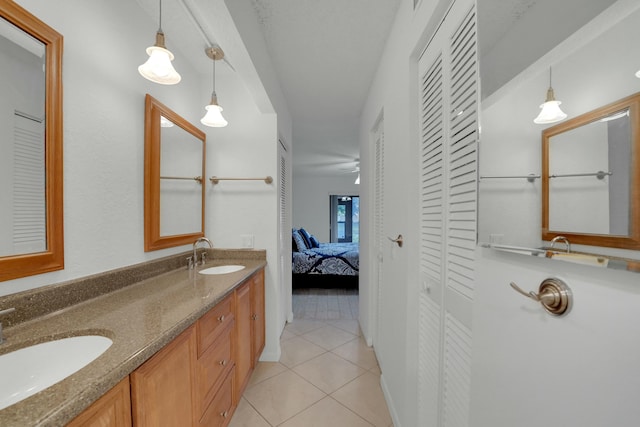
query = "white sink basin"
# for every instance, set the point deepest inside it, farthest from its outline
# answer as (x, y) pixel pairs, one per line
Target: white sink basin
(27, 371)
(222, 269)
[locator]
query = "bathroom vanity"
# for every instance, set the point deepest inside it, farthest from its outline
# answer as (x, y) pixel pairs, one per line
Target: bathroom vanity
(184, 346)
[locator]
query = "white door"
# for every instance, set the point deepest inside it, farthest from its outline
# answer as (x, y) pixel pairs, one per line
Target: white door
(378, 230)
(284, 230)
(448, 108)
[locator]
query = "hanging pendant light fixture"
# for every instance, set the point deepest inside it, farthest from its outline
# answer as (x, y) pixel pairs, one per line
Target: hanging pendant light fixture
(213, 117)
(158, 67)
(638, 74)
(551, 111)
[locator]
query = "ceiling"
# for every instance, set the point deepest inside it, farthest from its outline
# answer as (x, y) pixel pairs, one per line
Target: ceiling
(326, 52)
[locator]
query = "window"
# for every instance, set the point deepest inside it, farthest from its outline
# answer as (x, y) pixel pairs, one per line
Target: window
(345, 218)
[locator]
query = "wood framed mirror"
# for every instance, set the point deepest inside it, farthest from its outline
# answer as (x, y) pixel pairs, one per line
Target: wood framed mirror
(591, 177)
(174, 178)
(31, 187)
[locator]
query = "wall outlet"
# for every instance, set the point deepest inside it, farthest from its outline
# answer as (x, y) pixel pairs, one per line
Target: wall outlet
(247, 240)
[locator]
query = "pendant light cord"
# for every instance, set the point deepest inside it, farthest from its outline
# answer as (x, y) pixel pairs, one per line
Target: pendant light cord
(160, 19)
(214, 76)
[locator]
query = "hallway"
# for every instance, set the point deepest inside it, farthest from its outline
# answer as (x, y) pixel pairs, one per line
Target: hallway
(326, 377)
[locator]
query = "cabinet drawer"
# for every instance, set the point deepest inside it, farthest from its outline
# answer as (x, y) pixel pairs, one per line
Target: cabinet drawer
(213, 323)
(212, 367)
(221, 409)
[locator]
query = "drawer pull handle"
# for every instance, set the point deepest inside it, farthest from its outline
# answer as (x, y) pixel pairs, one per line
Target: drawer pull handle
(221, 319)
(223, 362)
(224, 414)
(254, 317)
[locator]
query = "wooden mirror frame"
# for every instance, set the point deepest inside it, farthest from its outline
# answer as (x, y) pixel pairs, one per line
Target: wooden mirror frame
(632, 241)
(152, 140)
(23, 265)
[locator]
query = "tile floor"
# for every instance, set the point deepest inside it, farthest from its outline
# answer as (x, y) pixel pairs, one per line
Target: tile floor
(326, 377)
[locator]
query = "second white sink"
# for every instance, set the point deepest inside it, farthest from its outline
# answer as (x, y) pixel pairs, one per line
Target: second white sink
(222, 269)
(27, 371)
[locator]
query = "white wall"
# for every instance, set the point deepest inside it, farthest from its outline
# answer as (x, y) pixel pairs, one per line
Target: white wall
(530, 368)
(394, 95)
(104, 147)
(511, 142)
(264, 86)
(581, 368)
(103, 103)
(311, 207)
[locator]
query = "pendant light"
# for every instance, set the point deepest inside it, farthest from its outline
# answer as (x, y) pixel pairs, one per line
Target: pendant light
(638, 74)
(551, 112)
(213, 117)
(158, 67)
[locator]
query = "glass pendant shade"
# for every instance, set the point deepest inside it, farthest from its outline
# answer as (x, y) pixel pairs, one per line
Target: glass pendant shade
(213, 117)
(638, 74)
(551, 111)
(158, 67)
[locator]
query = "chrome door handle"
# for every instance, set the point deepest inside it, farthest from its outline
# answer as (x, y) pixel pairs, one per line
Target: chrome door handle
(554, 295)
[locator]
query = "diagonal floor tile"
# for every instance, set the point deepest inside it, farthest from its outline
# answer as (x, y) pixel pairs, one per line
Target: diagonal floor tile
(265, 370)
(349, 325)
(328, 372)
(364, 397)
(298, 350)
(302, 326)
(246, 416)
(283, 396)
(287, 335)
(328, 337)
(358, 352)
(326, 413)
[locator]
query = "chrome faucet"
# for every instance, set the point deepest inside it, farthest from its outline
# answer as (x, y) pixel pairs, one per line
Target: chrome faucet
(7, 311)
(195, 253)
(563, 240)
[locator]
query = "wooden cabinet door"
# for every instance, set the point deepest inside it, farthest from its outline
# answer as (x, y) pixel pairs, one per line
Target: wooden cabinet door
(111, 410)
(257, 307)
(243, 339)
(163, 388)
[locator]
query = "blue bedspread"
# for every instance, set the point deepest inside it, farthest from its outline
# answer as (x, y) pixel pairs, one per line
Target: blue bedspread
(330, 258)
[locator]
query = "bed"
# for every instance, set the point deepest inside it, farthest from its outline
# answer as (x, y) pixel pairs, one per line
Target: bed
(323, 265)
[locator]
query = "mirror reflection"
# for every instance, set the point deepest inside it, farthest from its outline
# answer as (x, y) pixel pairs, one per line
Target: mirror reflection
(174, 168)
(589, 176)
(180, 180)
(31, 230)
(22, 125)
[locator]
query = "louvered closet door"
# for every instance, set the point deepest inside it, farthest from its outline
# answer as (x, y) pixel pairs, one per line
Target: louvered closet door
(448, 174)
(432, 178)
(29, 207)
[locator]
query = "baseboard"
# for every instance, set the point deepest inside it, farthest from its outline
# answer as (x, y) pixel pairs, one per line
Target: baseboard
(271, 356)
(390, 405)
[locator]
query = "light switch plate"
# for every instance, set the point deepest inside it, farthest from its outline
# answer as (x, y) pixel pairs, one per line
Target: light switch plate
(247, 240)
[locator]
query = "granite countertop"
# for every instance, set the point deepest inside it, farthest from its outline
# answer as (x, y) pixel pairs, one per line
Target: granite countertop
(140, 319)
